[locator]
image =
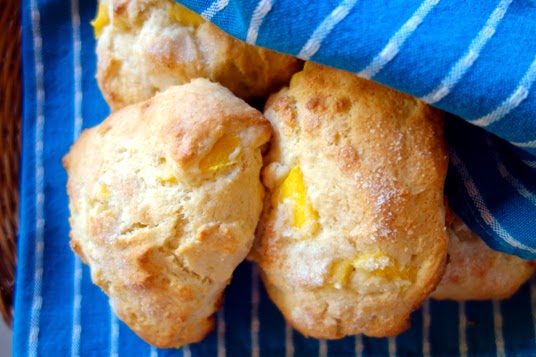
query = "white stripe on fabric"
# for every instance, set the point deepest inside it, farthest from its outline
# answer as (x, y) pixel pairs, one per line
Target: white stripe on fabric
(154, 352)
(186, 351)
(395, 43)
(530, 163)
(214, 8)
(77, 46)
(513, 101)
(221, 333)
(508, 177)
(391, 346)
(77, 127)
(322, 348)
(255, 298)
(323, 30)
(358, 345)
(463, 64)
(462, 323)
(478, 201)
(77, 303)
(514, 182)
(289, 343)
(527, 144)
(260, 12)
(426, 328)
(114, 334)
(498, 324)
(37, 299)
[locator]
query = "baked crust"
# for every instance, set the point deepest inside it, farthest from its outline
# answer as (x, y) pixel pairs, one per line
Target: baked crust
(144, 49)
(161, 234)
(477, 272)
(373, 244)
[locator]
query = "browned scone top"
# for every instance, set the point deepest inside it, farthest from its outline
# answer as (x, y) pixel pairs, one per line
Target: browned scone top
(164, 198)
(352, 236)
(477, 272)
(146, 46)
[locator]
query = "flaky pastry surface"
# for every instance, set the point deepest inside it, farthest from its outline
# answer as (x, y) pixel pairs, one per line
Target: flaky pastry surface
(477, 272)
(352, 236)
(164, 198)
(146, 46)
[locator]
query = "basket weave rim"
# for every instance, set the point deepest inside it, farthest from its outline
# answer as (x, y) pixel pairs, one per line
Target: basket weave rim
(10, 123)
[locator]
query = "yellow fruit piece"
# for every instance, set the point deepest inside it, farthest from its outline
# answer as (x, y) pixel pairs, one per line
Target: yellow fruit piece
(185, 16)
(307, 66)
(102, 20)
(168, 180)
(225, 152)
(100, 200)
(294, 79)
(104, 193)
(293, 188)
(384, 266)
(340, 273)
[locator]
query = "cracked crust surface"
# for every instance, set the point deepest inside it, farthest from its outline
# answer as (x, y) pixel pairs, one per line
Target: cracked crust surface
(362, 243)
(477, 272)
(144, 49)
(161, 234)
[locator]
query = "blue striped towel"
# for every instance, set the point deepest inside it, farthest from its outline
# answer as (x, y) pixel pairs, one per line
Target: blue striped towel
(412, 46)
(474, 59)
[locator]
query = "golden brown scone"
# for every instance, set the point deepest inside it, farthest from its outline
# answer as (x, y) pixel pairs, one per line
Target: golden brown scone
(164, 198)
(352, 236)
(146, 46)
(477, 272)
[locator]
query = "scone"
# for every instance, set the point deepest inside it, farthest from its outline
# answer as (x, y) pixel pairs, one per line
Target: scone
(164, 198)
(146, 46)
(477, 272)
(352, 236)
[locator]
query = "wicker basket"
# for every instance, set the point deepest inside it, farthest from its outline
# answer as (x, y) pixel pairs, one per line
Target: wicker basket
(10, 119)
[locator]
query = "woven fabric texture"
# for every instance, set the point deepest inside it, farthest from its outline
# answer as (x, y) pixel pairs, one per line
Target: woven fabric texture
(58, 311)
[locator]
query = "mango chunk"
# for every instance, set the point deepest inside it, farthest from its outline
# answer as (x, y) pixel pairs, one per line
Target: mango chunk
(101, 21)
(167, 180)
(225, 152)
(293, 188)
(185, 16)
(340, 273)
(295, 78)
(100, 198)
(103, 192)
(384, 266)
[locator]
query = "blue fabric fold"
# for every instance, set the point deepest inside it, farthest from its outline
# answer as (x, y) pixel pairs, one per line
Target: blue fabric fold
(474, 59)
(58, 311)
